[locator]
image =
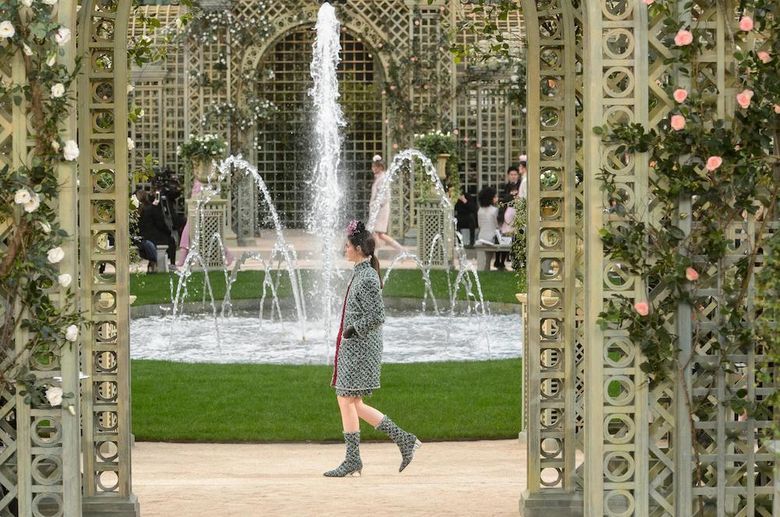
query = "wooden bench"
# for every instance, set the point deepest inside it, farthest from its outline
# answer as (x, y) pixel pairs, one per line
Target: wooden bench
(486, 252)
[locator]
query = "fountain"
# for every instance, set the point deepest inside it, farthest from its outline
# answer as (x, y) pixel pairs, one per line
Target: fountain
(294, 338)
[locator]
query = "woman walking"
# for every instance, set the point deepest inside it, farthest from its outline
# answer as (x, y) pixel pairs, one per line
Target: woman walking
(359, 355)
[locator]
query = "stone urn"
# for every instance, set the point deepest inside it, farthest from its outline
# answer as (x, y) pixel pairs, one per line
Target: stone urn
(203, 171)
(441, 165)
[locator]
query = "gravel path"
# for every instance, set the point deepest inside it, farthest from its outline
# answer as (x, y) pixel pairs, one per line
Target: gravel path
(220, 480)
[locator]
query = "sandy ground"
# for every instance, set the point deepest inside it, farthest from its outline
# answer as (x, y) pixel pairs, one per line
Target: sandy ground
(217, 480)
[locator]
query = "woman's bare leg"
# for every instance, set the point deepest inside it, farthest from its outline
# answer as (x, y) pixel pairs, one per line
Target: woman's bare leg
(368, 413)
(389, 240)
(349, 414)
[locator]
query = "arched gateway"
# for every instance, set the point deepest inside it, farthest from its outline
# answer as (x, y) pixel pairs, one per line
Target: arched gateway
(601, 440)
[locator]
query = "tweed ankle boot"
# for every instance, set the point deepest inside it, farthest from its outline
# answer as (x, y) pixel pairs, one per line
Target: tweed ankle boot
(352, 462)
(406, 442)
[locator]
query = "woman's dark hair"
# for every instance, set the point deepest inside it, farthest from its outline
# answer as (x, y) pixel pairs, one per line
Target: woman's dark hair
(360, 237)
(486, 196)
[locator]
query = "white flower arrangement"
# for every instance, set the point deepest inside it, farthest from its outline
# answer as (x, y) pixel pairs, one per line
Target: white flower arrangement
(55, 255)
(7, 30)
(64, 279)
(200, 148)
(58, 90)
(62, 36)
(71, 150)
(54, 395)
(72, 333)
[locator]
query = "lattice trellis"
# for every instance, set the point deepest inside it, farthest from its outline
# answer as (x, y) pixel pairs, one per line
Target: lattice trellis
(39, 446)
(282, 158)
(490, 125)
(435, 234)
(103, 240)
(637, 448)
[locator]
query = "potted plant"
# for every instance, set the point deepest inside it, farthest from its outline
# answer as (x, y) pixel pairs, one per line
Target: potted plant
(440, 147)
(200, 151)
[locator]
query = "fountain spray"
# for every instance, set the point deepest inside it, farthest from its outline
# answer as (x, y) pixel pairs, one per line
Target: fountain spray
(324, 221)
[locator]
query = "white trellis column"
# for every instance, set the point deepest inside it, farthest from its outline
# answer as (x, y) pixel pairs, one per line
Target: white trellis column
(104, 245)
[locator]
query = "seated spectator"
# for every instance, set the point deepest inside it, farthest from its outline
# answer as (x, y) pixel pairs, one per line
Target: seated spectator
(146, 248)
(487, 215)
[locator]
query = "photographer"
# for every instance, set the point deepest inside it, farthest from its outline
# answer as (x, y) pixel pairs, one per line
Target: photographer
(154, 225)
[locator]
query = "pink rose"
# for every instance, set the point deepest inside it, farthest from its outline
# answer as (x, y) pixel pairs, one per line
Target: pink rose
(683, 37)
(746, 23)
(648, 2)
(642, 308)
(713, 162)
(743, 98)
(678, 122)
(777, 109)
(691, 274)
(764, 56)
(680, 95)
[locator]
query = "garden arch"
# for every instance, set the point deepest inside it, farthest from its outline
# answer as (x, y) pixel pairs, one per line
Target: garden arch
(587, 62)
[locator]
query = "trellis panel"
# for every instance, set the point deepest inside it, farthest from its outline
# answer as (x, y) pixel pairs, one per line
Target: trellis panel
(39, 446)
(103, 238)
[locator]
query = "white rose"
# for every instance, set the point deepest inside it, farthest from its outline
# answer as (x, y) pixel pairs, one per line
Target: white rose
(27, 3)
(130, 88)
(27, 50)
(55, 145)
(134, 201)
(22, 196)
(49, 2)
(130, 144)
(62, 36)
(70, 151)
(33, 204)
(54, 395)
(55, 255)
(58, 90)
(7, 29)
(51, 59)
(46, 227)
(64, 279)
(72, 333)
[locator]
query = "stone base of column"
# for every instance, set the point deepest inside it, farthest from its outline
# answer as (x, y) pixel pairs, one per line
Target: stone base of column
(551, 504)
(110, 507)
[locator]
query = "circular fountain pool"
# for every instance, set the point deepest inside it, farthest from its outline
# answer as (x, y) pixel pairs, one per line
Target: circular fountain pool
(407, 338)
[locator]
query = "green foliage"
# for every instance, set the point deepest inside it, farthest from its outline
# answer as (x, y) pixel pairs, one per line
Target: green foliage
(484, 28)
(721, 175)
(518, 253)
(37, 315)
(768, 330)
(432, 144)
(202, 148)
(422, 68)
(439, 401)
(230, 35)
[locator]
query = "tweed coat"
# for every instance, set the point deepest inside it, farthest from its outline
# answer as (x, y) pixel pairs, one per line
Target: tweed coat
(358, 360)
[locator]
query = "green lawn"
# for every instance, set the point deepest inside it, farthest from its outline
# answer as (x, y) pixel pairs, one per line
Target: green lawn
(497, 286)
(285, 403)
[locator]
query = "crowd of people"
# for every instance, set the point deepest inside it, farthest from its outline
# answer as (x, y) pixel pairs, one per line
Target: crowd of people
(489, 218)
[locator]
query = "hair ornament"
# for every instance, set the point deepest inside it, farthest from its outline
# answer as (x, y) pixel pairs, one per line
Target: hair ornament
(354, 227)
